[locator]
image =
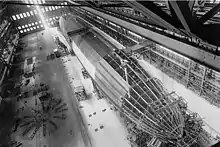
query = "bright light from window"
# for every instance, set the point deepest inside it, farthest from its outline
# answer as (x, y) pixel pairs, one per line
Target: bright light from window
(31, 1)
(46, 9)
(28, 29)
(32, 24)
(29, 25)
(42, 17)
(21, 31)
(50, 8)
(14, 17)
(26, 25)
(34, 27)
(41, 25)
(43, 1)
(36, 23)
(31, 12)
(23, 27)
(40, 21)
(57, 17)
(24, 15)
(18, 17)
(25, 30)
(50, 19)
(19, 28)
(65, 3)
(42, 9)
(37, 26)
(21, 15)
(31, 28)
(28, 14)
(56, 7)
(39, 1)
(53, 8)
(35, 11)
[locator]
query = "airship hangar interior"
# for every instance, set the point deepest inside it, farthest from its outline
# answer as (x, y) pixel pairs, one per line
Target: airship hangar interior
(110, 73)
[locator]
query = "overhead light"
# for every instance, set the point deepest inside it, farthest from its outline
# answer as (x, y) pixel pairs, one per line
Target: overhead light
(24, 15)
(14, 17)
(65, 3)
(31, 12)
(28, 14)
(19, 28)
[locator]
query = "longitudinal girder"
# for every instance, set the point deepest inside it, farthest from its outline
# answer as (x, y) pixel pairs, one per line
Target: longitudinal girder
(147, 103)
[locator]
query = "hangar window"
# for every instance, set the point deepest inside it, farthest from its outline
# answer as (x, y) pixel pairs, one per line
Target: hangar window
(32, 24)
(53, 8)
(19, 28)
(34, 27)
(38, 27)
(26, 25)
(39, 21)
(31, 28)
(23, 27)
(42, 9)
(46, 9)
(56, 7)
(50, 8)
(43, 1)
(29, 24)
(14, 17)
(21, 31)
(35, 11)
(36, 23)
(41, 25)
(18, 17)
(25, 30)
(24, 15)
(65, 3)
(28, 29)
(28, 14)
(31, 12)
(21, 15)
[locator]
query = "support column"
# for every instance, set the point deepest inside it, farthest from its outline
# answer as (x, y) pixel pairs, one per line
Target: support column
(188, 73)
(203, 80)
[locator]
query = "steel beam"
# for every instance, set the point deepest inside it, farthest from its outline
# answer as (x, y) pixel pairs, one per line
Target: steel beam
(150, 10)
(191, 4)
(182, 12)
(209, 14)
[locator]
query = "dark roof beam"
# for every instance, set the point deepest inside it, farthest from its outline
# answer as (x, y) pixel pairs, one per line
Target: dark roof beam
(210, 14)
(191, 4)
(153, 12)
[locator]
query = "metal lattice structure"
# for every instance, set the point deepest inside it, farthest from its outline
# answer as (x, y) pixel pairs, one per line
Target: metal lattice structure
(150, 106)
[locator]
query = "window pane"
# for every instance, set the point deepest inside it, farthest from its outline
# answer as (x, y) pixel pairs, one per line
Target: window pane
(28, 14)
(26, 25)
(23, 27)
(35, 11)
(14, 17)
(31, 12)
(21, 15)
(36, 23)
(21, 31)
(39, 21)
(25, 30)
(18, 17)
(32, 24)
(19, 28)
(34, 27)
(41, 25)
(37, 26)
(50, 8)
(29, 24)
(24, 15)
(46, 9)
(42, 9)
(28, 29)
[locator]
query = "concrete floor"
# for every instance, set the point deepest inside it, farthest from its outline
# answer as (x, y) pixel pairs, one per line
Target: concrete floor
(53, 74)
